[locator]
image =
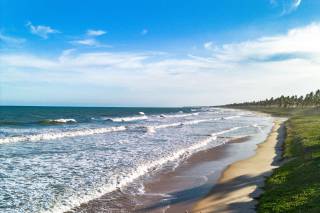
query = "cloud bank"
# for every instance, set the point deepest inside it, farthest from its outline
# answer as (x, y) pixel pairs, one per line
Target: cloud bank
(262, 67)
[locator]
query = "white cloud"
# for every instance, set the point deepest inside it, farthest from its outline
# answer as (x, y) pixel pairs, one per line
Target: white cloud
(288, 6)
(144, 32)
(90, 39)
(11, 40)
(95, 32)
(87, 42)
(208, 45)
(296, 3)
(90, 42)
(259, 68)
(298, 43)
(41, 30)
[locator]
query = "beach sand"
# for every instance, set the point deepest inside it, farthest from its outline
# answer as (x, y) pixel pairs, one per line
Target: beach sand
(241, 182)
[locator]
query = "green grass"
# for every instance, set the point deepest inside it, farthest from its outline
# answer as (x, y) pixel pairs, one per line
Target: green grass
(295, 186)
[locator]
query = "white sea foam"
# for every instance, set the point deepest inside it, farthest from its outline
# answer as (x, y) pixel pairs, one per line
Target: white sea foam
(152, 129)
(57, 135)
(180, 115)
(230, 117)
(63, 120)
(58, 121)
(196, 121)
(127, 119)
(123, 180)
(258, 127)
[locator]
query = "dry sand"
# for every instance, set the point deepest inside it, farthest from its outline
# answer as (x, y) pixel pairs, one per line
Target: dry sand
(241, 182)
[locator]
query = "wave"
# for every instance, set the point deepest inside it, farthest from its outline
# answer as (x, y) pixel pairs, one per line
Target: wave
(58, 135)
(119, 181)
(197, 121)
(229, 117)
(58, 121)
(152, 129)
(13, 123)
(178, 115)
(258, 127)
(127, 119)
(230, 130)
(45, 122)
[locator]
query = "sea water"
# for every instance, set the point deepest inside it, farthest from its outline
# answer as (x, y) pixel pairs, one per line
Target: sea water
(53, 159)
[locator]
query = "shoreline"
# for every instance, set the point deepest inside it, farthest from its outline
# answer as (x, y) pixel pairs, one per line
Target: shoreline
(241, 182)
(180, 189)
(188, 196)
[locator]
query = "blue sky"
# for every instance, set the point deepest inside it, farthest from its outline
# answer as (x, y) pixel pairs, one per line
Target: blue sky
(156, 53)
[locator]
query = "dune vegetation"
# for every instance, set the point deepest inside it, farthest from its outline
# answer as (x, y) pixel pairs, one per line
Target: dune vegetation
(295, 185)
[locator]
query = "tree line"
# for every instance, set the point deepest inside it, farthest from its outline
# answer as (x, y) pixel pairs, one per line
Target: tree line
(311, 99)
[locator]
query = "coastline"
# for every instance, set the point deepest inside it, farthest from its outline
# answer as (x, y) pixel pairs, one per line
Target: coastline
(215, 161)
(184, 187)
(241, 181)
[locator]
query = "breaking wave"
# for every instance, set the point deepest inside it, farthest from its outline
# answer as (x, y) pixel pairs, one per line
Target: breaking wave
(127, 119)
(152, 129)
(179, 115)
(58, 135)
(58, 121)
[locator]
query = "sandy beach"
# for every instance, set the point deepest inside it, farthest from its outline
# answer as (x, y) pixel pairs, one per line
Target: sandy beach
(241, 182)
(204, 182)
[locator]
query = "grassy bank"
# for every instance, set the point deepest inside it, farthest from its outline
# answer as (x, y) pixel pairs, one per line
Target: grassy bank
(295, 186)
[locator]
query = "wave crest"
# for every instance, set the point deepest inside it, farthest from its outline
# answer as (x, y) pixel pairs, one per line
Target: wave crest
(126, 119)
(58, 121)
(152, 129)
(58, 135)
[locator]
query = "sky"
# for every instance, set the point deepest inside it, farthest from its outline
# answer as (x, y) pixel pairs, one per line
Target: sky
(156, 53)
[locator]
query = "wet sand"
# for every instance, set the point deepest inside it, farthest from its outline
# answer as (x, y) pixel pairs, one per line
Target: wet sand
(241, 182)
(195, 178)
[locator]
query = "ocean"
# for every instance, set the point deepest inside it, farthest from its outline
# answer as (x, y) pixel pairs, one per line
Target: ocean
(53, 159)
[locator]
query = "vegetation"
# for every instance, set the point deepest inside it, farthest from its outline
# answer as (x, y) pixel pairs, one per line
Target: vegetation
(294, 186)
(310, 100)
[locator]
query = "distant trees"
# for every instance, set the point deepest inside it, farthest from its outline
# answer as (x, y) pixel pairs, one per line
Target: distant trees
(311, 99)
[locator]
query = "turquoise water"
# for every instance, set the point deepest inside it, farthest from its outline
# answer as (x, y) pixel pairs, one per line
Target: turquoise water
(56, 158)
